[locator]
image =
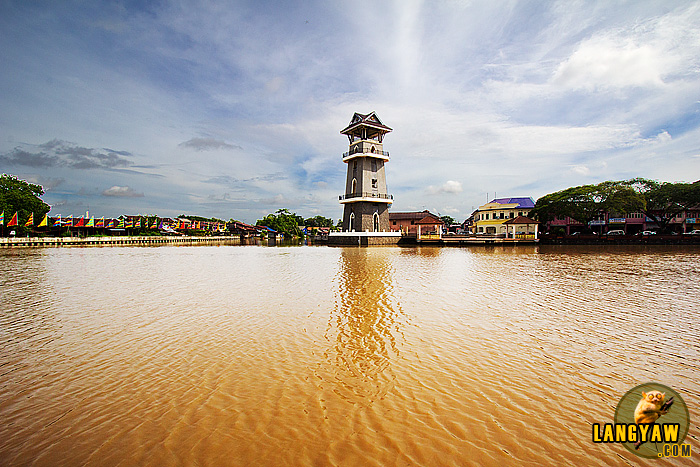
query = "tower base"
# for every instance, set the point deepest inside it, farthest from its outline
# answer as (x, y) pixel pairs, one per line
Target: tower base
(363, 238)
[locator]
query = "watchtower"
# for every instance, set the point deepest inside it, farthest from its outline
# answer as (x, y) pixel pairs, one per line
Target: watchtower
(366, 200)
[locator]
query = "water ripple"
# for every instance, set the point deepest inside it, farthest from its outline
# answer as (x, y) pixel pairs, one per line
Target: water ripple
(241, 355)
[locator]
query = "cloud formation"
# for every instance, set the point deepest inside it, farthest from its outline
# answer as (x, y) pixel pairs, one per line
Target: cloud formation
(522, 98)
(450, 187)
(208, 144)
(57, 153)
(122, 192)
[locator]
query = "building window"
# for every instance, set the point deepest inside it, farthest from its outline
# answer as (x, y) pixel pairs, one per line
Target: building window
(354, 186)
(374, 183)
(376, 222)
(351, 224)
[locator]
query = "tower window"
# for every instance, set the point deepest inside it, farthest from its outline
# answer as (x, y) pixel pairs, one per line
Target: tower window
(374, 183)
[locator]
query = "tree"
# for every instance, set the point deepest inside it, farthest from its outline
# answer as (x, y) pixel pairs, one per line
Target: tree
(664, 201)
(284, 222)
(318, 221)
(447, 220)
(586, 202)
(201, 219)
(23, 198)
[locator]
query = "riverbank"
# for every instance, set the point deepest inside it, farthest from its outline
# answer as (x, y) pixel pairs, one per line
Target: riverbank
(620, 240)
(112, 241)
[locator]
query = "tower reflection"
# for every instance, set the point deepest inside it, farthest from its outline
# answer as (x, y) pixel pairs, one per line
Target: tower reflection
(364, 328)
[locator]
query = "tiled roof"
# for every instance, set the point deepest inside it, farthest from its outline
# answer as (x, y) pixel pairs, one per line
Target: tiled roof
(521, 220)
(430, 219)
(522, 202)
(401, 216)
(370, 119)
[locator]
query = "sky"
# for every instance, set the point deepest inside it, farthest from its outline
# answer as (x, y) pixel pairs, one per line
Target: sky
(234, 109)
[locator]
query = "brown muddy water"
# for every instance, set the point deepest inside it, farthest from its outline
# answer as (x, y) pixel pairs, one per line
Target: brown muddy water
(249, 355)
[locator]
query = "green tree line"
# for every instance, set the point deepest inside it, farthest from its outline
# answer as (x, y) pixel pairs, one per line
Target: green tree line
(659, 201)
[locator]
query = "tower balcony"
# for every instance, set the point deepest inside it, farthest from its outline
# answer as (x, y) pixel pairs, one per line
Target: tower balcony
(365, 152)
(366, 197)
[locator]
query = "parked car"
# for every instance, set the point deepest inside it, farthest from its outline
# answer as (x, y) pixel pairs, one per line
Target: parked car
(647, 232)
(615, 232)
(693, 232)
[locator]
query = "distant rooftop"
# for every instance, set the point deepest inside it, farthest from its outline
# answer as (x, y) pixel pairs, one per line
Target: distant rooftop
(521, 202)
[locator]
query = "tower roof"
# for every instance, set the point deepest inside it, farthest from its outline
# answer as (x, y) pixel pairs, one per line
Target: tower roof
(370, 120)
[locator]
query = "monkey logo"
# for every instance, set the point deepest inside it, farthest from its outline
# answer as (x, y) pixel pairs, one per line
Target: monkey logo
(655, 420)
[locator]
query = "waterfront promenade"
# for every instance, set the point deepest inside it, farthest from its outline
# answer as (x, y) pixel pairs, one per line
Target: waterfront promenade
(112, 241)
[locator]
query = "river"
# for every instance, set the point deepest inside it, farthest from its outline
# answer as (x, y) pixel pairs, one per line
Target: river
(310, 356)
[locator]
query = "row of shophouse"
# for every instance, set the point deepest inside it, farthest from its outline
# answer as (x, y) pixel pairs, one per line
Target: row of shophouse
(510, 217)
(630, 224)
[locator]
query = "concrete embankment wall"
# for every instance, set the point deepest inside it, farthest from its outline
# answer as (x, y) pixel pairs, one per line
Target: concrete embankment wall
(621, 240)
(110, 241)
(363, 239)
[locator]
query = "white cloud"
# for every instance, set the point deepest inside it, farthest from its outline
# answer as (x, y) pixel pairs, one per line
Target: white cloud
(122, 192)
(581, 170)
(605, 62)
(663, 137)
(449, 187)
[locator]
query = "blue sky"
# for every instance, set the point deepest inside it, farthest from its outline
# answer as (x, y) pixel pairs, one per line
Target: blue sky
(233, 109)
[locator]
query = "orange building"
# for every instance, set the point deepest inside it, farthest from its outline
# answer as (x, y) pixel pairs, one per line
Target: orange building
(408, 222)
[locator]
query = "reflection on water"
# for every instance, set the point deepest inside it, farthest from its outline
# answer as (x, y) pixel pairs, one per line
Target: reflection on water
(363, 327)
(244, 355)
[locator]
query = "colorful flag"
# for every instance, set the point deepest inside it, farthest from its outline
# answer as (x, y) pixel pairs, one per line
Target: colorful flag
(30, 221)
(138, 223)
(160, 226)
(44, 222)
(13, 221)
(68, 221)
(80, 223)
(129, 223)
(121, 223)
(2, 218)
(91, 222)
(155, 223)
(100, 223)
(58, 222)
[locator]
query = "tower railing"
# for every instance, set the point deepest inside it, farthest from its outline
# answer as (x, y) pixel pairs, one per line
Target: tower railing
(365, 195)
(358, 150)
